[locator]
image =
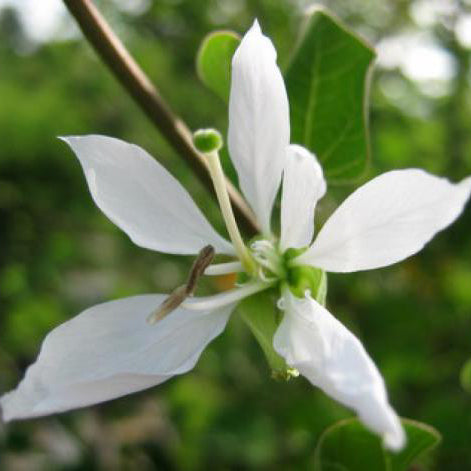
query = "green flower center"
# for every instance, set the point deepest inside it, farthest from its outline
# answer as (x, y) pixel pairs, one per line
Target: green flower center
(275, 266)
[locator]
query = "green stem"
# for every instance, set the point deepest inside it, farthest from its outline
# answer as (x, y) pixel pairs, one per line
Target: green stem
(126, 70)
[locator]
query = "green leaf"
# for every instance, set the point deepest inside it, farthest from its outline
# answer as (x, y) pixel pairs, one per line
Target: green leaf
(328, 88)
(213, 62)
(465, 376)
(260, 314)
(349, 446)
(421, 438)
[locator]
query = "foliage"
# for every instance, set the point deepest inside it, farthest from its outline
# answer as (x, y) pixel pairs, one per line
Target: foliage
(213, 62)
(328, 87)
(348, 446)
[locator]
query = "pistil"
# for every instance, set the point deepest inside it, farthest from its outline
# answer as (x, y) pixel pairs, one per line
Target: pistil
(209, 141)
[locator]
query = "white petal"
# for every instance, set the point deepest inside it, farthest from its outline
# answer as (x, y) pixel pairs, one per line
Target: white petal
(303, 186)
(108, 351)
(258, 122)
(387, 220)
(333, 359)
(142, 198)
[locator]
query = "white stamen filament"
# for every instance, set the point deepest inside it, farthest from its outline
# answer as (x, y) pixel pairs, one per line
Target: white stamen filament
(263, 262)
(217, 175)
(265, 278)
(223, 299)
(264, 253)
(262, 245)
(224, 268)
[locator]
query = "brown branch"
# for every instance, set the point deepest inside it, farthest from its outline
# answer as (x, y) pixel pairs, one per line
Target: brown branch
(133, 79)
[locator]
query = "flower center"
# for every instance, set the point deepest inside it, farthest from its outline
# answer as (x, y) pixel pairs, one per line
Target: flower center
(263, 261)
(269, 260)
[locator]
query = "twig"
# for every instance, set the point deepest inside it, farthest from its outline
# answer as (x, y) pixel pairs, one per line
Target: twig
(133, 79)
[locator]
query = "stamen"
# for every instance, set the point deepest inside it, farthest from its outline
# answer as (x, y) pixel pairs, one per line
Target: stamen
(224, 268)
(271, 264)
(169, 304)
(262, 245)
(266, 279)
(266, 255)
(204, 258)
(224, 299)
(265, 263)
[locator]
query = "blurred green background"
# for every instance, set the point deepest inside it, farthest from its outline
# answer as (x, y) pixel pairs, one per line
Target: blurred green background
(59, 254)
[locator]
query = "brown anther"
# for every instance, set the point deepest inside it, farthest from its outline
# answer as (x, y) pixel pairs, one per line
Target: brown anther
(203, 260)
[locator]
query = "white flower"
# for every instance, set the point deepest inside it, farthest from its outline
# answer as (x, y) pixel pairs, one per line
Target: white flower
(110, 350)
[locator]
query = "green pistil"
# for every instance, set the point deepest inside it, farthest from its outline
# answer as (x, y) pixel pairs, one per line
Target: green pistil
(209, 141)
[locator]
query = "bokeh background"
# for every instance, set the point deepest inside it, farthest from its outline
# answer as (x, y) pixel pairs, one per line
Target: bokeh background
(59, 254)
